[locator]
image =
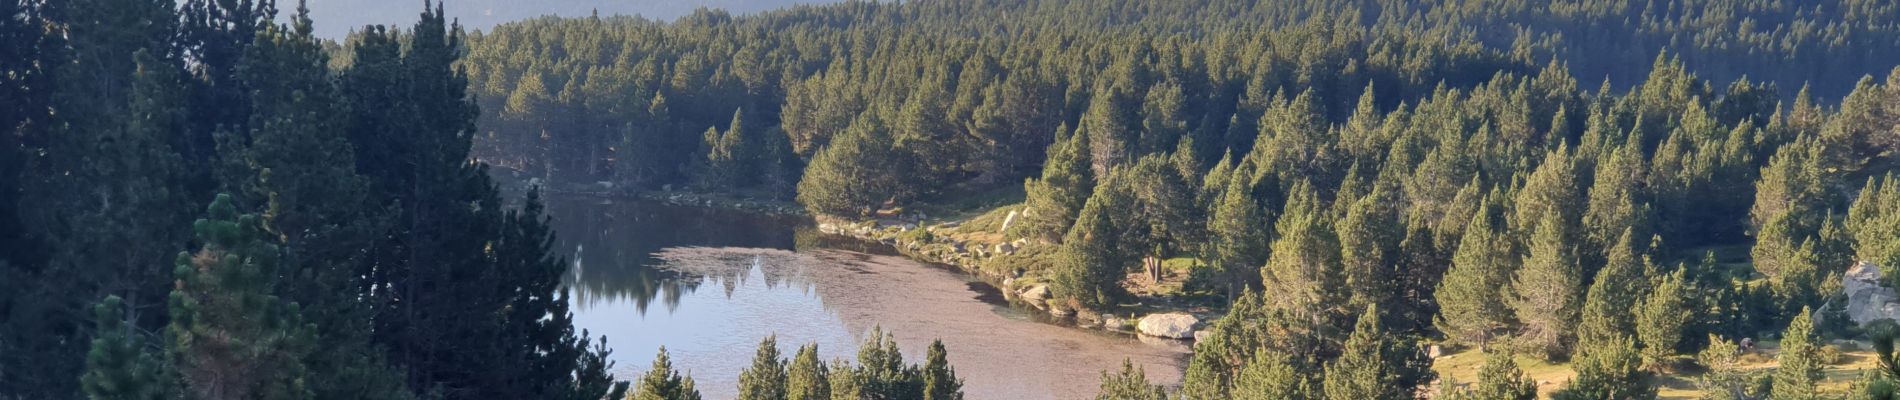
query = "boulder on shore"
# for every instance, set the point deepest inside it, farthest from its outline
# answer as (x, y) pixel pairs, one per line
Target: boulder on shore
(1037, 295)
(1169, 325)
(1868, 298)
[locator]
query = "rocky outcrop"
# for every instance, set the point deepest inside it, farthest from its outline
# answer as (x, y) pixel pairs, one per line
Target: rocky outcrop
(1868, 298)
(1169, 325)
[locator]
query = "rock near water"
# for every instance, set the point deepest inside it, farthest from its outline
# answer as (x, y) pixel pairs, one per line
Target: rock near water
(1169, 325)
(1868, 299)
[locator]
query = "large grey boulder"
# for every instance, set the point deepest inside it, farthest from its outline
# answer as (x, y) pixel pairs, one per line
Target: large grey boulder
(1867, 299)
(1168, 325)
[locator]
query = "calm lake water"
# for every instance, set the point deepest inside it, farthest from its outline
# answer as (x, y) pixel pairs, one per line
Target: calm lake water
(709, 284)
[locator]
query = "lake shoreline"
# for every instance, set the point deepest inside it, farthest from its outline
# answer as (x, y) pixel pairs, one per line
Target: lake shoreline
(898, 235)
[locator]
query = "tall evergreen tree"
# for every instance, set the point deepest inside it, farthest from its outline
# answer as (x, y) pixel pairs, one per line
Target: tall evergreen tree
(1611, 372)
(1054, 200)
(1369, 239)
(940, 379)
(1470, 312)
(854, 174)
(1545, 291)
(1874, 223)
(807, 378)
(231, 336)
(661, 382)
(1304, 272)
(766, 378)
(1376, 365)
(1274, 377)
(1617, 289)
(1799, 368)
(1087, 268)
(1663, 320)
(1238, 232)
(121, 363)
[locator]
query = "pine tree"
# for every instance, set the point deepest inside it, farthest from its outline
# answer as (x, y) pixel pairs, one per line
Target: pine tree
(1238, 232)
(301, 170)
(230, 336)
(1499, 379)
(662, 383)
(881, 371)
(1799, 368)
(120, 365)
(1550, 192)
(1087, 267)
(940, 379)
(1610, 372)
(1874, 223)
(844, 382)
(1546, 298)
(1304, 272)
(730, 157)
(1663, 319)
(854, 174)
(1375, 365)
(1369, 239)
(1618, 288)
(807, 378)
(766, 378)
(1470, 312)
(1273, 377)
(1616, 206)
(1129, 384)
(1053, 201)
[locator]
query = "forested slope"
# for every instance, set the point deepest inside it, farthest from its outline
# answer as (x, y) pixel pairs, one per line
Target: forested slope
(1499, 174)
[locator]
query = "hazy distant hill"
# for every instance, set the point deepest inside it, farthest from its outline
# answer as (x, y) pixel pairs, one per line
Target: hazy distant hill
(337, 17)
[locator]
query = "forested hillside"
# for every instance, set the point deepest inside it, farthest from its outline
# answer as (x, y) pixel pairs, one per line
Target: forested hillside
(1495, 174)
(197, 201)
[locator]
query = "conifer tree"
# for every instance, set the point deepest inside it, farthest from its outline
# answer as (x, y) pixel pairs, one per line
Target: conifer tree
(1610, 372)
(1551, 190)
(661, 382)
(766, 378)
(1500, 379)
(940, 379)
(120, 364)
(1087, 268)
(729, 155)
(1616, 206)
(881, 371)
(1054, 200)
(844, 382)
(807, 378)
(1874, 222)
(1545, 291)
(1376, 364)
(1304, 272)
(1369, 240)
(1131, 383)
(1617, 289)
(1470, 312)
(1799, 368)
(1663, 319)
(1238, 232)
(231, 336)
(854, 174)
(1274, 377)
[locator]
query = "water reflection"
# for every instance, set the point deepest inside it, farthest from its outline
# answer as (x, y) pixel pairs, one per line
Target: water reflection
(727, 279)
(614, 242)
